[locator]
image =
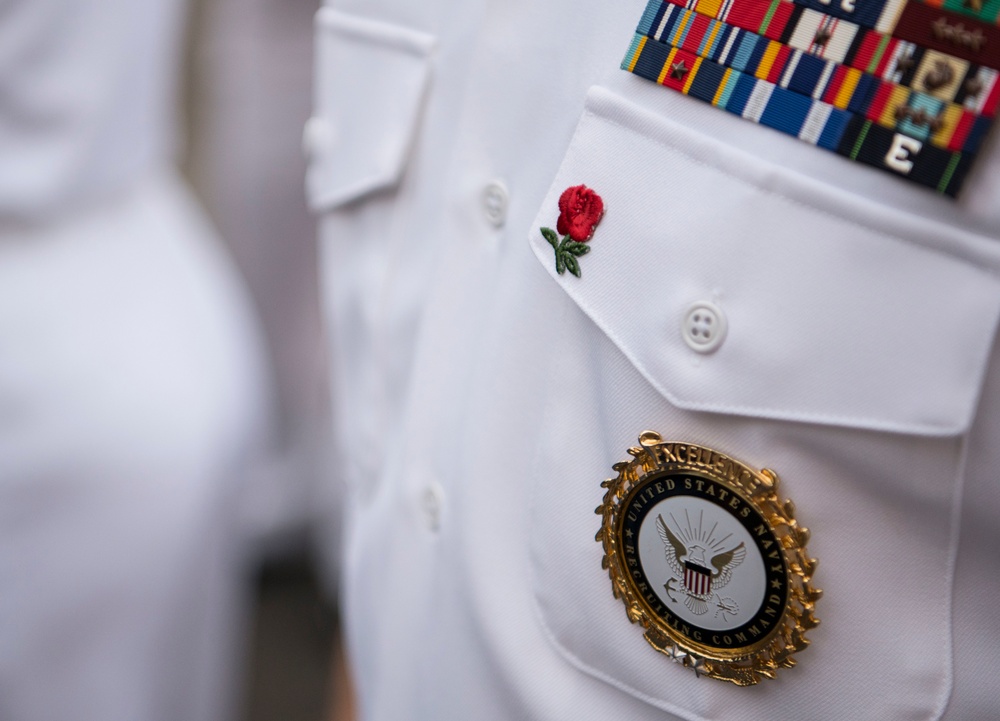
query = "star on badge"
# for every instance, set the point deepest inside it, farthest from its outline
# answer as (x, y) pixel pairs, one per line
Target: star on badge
(822, 37)
(675, 654)
(678, 70)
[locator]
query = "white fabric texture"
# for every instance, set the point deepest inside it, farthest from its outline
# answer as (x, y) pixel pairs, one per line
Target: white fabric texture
(132, 389)
(814, 335)
(87, 93)
(859, 364)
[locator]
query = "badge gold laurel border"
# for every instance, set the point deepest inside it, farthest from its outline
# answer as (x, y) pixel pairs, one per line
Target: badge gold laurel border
(748, 665)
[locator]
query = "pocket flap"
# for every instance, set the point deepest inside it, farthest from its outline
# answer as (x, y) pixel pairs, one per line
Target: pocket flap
(838, 311)
(371, 78)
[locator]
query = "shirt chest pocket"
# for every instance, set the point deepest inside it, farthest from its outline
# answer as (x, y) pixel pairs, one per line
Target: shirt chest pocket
(725, 304)
(371, 82)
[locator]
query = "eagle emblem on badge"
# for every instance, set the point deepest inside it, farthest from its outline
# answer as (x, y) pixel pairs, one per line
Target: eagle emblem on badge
(698, 579)
(708, 560)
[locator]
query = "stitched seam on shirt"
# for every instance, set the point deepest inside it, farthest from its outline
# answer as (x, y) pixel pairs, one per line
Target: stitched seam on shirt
(794, 201)
(954, 540)
(774, 414)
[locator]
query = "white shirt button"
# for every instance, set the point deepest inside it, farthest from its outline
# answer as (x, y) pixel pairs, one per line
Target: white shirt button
(431, 501)
(318, 136)
(704, 326)
(495, 202)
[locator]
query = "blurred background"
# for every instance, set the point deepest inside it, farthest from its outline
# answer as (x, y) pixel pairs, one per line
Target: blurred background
(247, 93)
(168, 505)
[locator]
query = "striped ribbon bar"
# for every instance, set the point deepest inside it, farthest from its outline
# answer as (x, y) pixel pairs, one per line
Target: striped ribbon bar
(916, 114)
(988, 11)
(814, 121)
(973, 84)
(877, 15)
(885, 16)
(949, 32)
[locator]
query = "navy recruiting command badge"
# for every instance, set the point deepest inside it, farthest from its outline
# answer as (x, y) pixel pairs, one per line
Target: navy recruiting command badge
(708, 559)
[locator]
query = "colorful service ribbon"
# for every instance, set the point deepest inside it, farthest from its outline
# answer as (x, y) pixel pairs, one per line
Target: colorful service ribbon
(919, 115)
(893, 103)
(813, 121)
(971, 84)
(987, 11)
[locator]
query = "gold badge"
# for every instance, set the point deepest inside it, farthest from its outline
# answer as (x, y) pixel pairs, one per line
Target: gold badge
(708, 559)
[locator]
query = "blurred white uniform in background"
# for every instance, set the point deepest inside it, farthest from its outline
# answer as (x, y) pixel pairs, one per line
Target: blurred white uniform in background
(251, 81)
(132, 391)
(482, 398)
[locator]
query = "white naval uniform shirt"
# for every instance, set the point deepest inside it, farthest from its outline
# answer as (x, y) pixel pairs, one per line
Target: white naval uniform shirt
(482, 398)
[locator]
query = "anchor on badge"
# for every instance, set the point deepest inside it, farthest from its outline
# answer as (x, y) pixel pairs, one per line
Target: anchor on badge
(700, 580)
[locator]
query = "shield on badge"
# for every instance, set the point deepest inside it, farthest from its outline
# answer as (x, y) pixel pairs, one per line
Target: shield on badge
(697, 579)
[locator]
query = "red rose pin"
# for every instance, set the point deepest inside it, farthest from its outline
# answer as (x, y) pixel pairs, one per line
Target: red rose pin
(580, 210)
